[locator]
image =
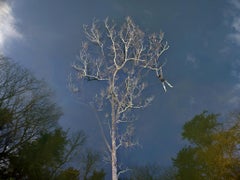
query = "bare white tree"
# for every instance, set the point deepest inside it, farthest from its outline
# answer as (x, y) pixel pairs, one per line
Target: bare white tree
(120, 56)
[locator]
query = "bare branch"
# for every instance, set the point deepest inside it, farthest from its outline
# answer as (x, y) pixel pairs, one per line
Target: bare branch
(101, 128)
(120, 56)
(123, 171)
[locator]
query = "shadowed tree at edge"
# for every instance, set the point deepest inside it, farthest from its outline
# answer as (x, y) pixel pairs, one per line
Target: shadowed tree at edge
(213, 150)
(32, 144)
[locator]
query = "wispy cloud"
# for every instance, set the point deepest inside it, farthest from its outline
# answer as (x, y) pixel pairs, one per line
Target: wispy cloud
(235, 35)
(236, 3)
(233, 14)
(8, 29)
(234, 99)
(191, 59)
(234, 93)
(235, 69)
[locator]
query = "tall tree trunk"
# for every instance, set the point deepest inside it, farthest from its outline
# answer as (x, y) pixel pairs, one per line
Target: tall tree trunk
(114, 147)
(118, 57)
(114, 152)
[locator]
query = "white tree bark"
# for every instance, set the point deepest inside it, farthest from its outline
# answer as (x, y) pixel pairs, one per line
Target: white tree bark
(114, 150)
(121, 56)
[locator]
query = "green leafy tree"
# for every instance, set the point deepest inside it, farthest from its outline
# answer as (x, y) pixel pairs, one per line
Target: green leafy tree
(44, 157)
(97, 175)
(36, 159)
(89, 163)
(68, 174)
(213, 149)
(32, 146)
(26, 108)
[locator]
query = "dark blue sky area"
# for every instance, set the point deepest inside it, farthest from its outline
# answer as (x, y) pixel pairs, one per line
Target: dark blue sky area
(203, 61)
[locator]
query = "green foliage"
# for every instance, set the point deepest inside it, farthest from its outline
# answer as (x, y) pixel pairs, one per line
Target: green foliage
(189, 164)
(97, 175)
(32, 146)
(26, 107)
(199, 130)
(151, 172)
(44, 157)
(213, 149)
(68, 174)
(146, 172)
(38, 159)
(89, 162)
(6, 117)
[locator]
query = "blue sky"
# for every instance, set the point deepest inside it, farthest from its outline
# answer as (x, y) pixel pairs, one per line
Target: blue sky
(203, 60)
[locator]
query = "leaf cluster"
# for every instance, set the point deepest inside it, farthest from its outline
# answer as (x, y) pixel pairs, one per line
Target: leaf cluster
(213, 150)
